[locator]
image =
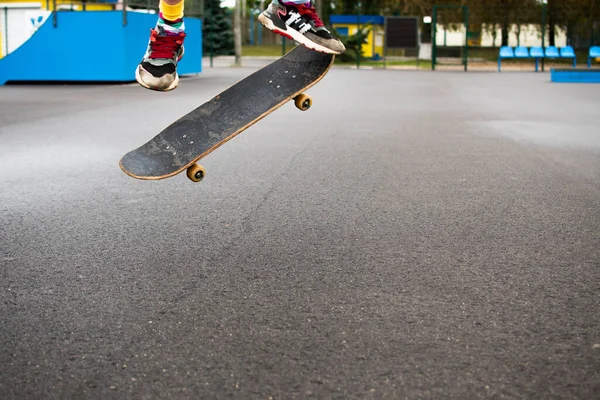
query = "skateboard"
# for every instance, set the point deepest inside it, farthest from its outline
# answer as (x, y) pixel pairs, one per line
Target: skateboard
(195, 135)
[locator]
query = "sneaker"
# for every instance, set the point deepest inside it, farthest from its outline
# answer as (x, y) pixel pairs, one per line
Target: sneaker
(301, 23)
(158, 69)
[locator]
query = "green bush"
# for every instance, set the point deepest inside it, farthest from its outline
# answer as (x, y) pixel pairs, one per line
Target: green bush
(353, 45)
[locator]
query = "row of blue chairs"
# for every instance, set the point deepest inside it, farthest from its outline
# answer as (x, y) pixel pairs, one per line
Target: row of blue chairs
(536, 53)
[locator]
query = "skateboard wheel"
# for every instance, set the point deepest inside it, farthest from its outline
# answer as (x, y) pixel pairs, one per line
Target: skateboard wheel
(303, 101)
(196, 173)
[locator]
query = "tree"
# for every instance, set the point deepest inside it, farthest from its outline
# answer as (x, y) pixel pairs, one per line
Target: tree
(502, 14)
(217, 29)
(551, 21)
(577, 17)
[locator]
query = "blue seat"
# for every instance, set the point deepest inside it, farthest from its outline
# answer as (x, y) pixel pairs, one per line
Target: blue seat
(521, 52)
(537, 53)
(568, 52)
(594, 52)
(552, 52)
(505, 52)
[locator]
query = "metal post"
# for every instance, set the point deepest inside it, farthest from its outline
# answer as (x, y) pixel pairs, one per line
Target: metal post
(419, 37)
(433, 41)
(6, 30)
(125, 2)
(54, 16)
(251, 29)
(237, 32)
(385, 19)
(466, 18)
(359, 52)
(543, 30)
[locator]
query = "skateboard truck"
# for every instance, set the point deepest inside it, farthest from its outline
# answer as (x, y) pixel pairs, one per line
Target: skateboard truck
(196, 172)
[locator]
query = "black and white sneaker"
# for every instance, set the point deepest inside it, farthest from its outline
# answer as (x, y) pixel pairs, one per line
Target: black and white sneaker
(301, 23)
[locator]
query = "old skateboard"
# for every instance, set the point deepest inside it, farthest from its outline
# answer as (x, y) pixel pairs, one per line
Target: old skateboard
(192, 137)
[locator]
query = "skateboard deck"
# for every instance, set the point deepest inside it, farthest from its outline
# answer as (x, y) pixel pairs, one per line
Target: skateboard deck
(192, 137)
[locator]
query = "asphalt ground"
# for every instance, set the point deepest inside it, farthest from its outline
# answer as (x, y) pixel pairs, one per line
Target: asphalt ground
(413, 235)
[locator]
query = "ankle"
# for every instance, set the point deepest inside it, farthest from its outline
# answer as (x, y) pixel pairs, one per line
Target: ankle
(171, 26)
(167, 21)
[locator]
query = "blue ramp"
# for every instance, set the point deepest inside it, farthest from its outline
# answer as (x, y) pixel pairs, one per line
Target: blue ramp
(93, 46)
(575, 75)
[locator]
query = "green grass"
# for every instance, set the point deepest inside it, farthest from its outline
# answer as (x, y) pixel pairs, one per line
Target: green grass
(276, 51)
(422, 64)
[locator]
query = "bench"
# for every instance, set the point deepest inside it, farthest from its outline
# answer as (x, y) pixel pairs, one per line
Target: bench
(537, 53)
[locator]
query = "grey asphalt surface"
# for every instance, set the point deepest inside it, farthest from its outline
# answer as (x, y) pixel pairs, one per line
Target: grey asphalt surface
(414, 235)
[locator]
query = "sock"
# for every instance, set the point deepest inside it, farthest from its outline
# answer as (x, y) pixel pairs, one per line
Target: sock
(171, 17)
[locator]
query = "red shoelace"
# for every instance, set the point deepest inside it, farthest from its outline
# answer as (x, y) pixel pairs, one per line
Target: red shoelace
(165, 46)
(311, 13)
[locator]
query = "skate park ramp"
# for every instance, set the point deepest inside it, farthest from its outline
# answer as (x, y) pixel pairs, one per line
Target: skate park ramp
(93, 46)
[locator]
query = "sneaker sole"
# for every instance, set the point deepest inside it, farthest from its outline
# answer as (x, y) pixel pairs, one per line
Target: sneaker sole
(293, 34)
(172, 86)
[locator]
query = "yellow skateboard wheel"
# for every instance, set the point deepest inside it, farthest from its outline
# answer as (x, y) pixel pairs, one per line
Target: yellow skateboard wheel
(196, 173)
(303, 101)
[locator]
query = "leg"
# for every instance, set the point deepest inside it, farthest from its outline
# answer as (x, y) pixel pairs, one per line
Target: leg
(158, 69)
(298, 20)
